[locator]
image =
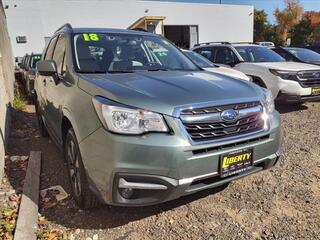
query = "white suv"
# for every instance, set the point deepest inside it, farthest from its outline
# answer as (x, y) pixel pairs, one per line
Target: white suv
(205, 64)
(291, 81)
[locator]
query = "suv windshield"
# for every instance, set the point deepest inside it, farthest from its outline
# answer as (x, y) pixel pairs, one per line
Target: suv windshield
(34, 60)
(103, 52)
(258, 54)
(199, 59)
(305, 54)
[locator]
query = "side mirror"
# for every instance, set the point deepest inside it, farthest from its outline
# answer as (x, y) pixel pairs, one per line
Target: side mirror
(48, 68)
(232, 63)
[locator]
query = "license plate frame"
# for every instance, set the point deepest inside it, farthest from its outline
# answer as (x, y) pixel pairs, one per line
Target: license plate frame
(315, 91)
(236, 162)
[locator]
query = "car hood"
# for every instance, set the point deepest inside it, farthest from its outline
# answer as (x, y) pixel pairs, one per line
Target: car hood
(163, 92)
(288, 66)
(314, 63)
(228, 72)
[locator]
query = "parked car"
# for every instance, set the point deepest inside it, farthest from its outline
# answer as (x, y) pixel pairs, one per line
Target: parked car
(289, 81)
(18, 61)
(30, 73)
(205, 64)
(140, 124)
(315, 48)
(294, 54)
(23, 66)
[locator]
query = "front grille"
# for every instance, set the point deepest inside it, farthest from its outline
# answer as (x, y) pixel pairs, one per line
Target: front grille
(213, 127)
(217, 109)
(309, 78)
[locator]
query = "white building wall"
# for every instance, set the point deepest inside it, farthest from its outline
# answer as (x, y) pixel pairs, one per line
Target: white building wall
(39, 18)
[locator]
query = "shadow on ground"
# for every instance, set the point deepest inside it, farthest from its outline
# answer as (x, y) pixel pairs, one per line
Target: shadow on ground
(287, 108)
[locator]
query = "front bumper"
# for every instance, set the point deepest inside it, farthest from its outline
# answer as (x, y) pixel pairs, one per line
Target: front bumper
(292, 92)
(168, 162)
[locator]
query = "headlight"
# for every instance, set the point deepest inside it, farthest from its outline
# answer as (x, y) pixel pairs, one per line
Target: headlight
(126, 120)
(288, 75)
(269, 102)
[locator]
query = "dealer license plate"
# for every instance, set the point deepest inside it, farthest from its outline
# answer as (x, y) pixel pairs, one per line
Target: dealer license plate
(315, 91)
(236, 162)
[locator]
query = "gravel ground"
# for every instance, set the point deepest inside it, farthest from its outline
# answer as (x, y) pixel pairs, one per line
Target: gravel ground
(281, 203)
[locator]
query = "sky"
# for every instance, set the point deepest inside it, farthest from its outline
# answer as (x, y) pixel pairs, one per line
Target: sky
(268, 5)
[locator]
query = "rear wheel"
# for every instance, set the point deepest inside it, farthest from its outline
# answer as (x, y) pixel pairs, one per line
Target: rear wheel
(81, 192)
(42, 128)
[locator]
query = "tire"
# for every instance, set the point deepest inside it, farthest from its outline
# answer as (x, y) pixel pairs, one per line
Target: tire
(81, 192)
(42, 128)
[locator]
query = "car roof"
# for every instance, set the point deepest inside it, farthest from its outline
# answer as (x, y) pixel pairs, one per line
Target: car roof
(111, 30)
(224, 44)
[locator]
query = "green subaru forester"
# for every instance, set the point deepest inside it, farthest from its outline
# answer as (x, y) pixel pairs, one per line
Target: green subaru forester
(140, 124)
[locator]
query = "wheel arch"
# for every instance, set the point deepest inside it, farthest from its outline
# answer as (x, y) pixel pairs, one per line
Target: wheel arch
(68, 122)
(257, 80)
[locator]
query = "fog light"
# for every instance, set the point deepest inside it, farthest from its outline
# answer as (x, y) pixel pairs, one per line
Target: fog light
(126, 193)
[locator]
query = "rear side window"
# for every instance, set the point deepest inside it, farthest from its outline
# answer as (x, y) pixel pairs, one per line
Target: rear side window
(59, 54)
(208, 53)
(50, 49)
(287, 56)
(224, 55)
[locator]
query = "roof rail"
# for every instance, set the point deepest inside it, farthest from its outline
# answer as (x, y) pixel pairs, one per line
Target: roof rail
(208, 43)
(253, 43)
(67, 25)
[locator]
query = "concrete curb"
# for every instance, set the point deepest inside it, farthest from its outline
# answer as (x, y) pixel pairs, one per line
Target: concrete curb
(27, 222)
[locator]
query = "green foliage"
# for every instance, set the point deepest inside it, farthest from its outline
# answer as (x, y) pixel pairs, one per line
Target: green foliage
(303, 33)
(18, 103)
(290, 24)
(260, 25)
(8, 218)
(263, 30)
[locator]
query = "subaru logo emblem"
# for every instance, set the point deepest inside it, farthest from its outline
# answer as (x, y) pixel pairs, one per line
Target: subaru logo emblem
(229, 115)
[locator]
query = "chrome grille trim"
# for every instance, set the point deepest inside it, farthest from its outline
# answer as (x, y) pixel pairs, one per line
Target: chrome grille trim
(214, 117)
(218, 109)
(309, 78)
(210, 126)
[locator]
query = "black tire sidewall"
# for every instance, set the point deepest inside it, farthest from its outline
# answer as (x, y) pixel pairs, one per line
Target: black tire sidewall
(80, 200)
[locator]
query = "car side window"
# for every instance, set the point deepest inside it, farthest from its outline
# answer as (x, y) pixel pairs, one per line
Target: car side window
(59, 54)
(206, 52)
(284, 54)
(50, 49)
(224, 55)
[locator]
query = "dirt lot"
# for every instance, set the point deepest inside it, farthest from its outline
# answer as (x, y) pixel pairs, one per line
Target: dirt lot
(282, 203)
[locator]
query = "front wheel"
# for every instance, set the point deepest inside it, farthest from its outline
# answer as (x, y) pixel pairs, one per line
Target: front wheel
(81, 192)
